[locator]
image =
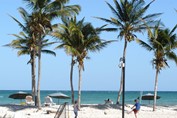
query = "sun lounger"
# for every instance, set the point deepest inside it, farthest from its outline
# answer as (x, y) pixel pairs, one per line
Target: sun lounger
(49, 101)
(29, 100)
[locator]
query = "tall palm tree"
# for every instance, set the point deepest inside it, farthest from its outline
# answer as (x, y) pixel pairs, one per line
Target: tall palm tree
(27, 37)
(43, 12)
(67, 33)
(78, 38)
(162, 42)
(72, 34)
(26, 44)
(128, 19)
(87, 41)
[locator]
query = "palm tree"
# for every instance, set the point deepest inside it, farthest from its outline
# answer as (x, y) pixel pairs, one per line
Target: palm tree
(67, 33)
(78, 38)
(26, 44)
(27, 37)
(44, 11)
(71, 35)
(162, 42)
(128, 19)
(88, 40)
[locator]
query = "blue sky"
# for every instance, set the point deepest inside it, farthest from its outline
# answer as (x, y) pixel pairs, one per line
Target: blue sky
(101, 71)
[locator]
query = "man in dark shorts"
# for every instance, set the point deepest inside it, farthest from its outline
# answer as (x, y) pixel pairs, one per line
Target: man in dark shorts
(136, 108)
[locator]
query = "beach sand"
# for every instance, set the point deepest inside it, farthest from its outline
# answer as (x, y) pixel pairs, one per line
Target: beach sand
(87, 111)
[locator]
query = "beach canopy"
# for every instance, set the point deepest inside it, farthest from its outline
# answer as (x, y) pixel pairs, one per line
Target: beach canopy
(19, 95)
(59, 95)
(149, 96)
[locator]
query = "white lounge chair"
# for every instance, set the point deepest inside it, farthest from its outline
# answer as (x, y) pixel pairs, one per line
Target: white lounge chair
(49, 101)
(29, 100)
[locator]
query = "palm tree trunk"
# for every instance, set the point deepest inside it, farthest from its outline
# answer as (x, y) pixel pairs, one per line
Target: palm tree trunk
(155, 89)
(71, 79)
(120, 89)
(33, 70)
(39, 77)
(79, 86)
(121, 82)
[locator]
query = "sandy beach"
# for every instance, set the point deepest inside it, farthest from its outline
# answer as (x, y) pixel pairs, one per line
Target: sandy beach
(87, 111)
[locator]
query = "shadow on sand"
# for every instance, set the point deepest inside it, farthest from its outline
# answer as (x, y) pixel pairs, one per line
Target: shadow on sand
(14, 107)
(102, 106)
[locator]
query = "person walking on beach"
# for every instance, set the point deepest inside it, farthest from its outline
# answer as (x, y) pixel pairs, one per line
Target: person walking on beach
(135, 108)
(76, 109)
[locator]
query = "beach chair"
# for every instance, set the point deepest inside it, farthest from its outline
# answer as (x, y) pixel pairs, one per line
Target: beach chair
(29, 100)
(48, 101)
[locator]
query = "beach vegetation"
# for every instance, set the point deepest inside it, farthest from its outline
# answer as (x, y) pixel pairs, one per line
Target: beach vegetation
(162, 42)
(26, 44)
(67, 34)
(78, 38)
(43, 12)
(128, 18)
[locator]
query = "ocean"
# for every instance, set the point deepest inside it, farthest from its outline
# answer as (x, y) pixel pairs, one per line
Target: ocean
(96, 97)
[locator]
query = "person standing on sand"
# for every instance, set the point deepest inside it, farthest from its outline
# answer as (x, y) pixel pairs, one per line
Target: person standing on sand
(76, 109)
(135, 108)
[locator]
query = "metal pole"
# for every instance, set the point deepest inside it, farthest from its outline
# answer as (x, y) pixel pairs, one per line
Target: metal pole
(123, 93)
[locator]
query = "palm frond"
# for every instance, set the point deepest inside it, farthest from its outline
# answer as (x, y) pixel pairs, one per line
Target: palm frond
(107, 20)
(174, 28)
(143, 44)
(48, 52)
(22, 52)
(172, 56)
(19, 23)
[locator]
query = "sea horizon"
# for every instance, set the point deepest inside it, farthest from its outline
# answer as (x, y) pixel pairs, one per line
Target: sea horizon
(97, 97)
(88, 90)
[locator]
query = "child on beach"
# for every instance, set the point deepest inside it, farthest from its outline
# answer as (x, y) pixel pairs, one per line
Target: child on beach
(76, 109)
(135, 108)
